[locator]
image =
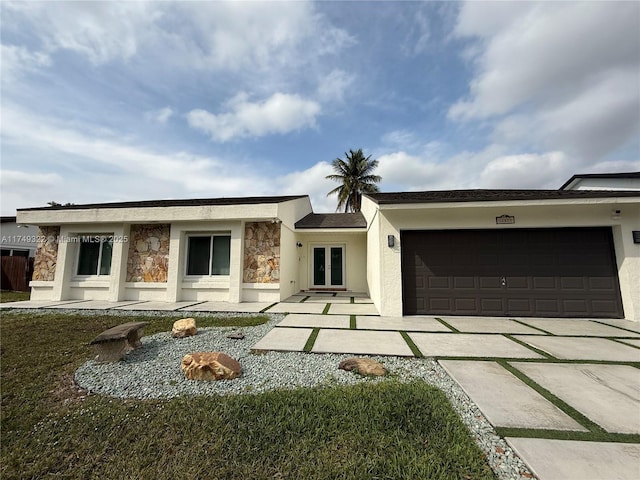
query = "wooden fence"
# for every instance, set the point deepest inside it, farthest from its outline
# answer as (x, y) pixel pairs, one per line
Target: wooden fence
(15, 273)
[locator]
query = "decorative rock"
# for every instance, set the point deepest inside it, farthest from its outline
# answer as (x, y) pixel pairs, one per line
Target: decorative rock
(236, 336)
(185, 327)
(210, 366)
(363, 366)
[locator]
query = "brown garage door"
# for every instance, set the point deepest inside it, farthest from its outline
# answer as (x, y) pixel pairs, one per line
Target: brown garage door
(559, 272)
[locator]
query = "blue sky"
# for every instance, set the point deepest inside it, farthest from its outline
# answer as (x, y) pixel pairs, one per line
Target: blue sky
(116, 101)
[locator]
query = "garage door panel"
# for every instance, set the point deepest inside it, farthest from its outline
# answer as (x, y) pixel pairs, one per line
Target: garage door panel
(575, 307)
(601, 307)
(488, 305)
(547, 307)
(440, 304)
(488, 283)
(464, 282)
(572, 283)
(518, 282)
(604, 284)
(547, 272)
(465, 305)
(544, 283)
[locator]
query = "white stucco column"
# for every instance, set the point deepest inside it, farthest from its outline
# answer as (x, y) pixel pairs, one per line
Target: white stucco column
(64, 265)
(119, 256)
(236, 263)
(628, 258)
(174, 275)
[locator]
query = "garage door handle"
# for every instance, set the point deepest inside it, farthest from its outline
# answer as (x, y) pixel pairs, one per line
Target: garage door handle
(503, 281)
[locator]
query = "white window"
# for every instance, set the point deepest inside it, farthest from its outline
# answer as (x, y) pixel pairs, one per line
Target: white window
(208, 254)
(94, 255)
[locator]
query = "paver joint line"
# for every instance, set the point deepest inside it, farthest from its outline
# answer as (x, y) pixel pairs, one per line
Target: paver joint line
(530, 347)
(558, 402)
(531, 326)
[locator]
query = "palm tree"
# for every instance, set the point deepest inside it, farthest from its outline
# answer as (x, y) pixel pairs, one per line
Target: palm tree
(355, 175)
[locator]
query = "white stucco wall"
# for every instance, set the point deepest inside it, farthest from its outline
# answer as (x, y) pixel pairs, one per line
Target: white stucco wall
(593, 212)
(23, 237)
(605, 184)
(374, 248)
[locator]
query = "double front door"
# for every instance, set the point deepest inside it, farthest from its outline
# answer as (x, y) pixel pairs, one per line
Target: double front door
(328, 266)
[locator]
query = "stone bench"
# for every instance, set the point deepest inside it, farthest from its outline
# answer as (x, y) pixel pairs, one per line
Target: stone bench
(112, 344)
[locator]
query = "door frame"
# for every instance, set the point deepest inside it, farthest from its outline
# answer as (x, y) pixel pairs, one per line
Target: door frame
(327, 247)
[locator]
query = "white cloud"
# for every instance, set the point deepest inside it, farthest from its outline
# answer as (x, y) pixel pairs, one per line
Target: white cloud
(280, 113)
(100, 31)
(333, 86)
(526, 171)
(203, 35)
(488, 168)
(411, 172)
(160, 116)
(554, 75)
(17, 60)
(133, 172)
(312, 182)
(418, 36)
(17, 180)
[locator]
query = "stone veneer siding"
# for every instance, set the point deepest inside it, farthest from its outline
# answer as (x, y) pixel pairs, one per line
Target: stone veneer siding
(261, 252)
(148, 259)
(44, 264)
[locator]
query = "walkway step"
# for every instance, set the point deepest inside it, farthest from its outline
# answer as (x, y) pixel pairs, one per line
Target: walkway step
(470, 345)
(361, 342)
(284, 339)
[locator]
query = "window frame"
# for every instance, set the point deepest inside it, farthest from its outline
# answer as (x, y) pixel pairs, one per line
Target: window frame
(210, 236)
(103, 238)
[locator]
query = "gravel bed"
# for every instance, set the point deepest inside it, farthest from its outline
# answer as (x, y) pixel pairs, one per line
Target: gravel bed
(153, 371)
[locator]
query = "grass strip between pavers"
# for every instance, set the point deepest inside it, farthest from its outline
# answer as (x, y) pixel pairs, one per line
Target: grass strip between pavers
(352, 322)
(558, 402)
(568, 435)
(305, 299)
(546, 332)
(530, 347)
(614, 326)
(621, 340)
(311, 340)
(267, 308)
(326, 309)
(454, 329)
(414, 348)
(353, 300)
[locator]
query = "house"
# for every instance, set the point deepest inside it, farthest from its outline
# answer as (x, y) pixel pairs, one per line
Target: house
(547, 253)
(17, 240)
(603, 181)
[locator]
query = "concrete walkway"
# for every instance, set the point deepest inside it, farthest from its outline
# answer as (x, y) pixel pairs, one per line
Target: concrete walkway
(536, 380)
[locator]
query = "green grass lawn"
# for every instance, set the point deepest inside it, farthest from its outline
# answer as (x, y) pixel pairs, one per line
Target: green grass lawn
(50, 428)
(8, 296)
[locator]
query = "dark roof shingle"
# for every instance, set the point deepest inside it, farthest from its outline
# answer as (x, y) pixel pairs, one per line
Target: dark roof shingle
(332, 220)
(189, 202)
(439, 196)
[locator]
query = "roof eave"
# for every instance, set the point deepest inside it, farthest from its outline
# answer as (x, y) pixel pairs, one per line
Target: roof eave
(507, 203)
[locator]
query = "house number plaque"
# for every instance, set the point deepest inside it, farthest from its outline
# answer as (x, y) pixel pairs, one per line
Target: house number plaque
(505, 220)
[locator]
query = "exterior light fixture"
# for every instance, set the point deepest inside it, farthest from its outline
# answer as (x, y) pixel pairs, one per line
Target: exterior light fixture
(298, 244)
(391, 241)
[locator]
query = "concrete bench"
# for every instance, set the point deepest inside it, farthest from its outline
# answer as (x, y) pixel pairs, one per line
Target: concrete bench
(112, 344)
